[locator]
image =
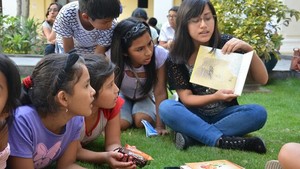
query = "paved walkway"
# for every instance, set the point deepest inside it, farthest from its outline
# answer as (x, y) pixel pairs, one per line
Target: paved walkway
(284, 63)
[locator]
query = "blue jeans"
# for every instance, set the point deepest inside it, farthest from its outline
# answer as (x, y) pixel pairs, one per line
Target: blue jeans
(233, 121)
(49, 48)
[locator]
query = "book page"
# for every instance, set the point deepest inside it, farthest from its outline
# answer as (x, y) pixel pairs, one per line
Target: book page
(219, 71)
(243, 72)
(217, 164)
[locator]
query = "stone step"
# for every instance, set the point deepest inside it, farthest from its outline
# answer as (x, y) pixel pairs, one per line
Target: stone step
(26, 64)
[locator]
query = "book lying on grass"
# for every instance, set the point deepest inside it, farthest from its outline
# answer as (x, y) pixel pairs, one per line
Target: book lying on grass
(150, 131)
(216, 164)
(221, 71)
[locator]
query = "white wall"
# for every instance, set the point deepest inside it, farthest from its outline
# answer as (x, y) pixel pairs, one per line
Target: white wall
(9, 7)
(291, 33)
(161, 8)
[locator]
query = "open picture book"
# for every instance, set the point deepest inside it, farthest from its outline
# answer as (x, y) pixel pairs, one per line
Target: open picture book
(216, 164)
(216, 70)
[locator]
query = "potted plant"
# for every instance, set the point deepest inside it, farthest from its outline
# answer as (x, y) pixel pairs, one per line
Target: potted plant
(256, 22)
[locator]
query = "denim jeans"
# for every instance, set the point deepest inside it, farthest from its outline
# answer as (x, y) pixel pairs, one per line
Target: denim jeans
(233, 121)
(131, 107)
(49, 48)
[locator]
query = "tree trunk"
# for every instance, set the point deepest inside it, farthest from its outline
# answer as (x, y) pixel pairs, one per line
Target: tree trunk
(25, 9)
(19, 7)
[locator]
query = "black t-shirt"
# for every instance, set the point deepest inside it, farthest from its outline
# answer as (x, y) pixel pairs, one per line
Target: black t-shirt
(179, 78)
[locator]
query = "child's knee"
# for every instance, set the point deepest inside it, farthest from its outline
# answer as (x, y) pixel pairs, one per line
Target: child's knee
(138, 117)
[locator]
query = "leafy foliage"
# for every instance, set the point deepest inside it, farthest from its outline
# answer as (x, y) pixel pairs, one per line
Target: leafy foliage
(19, 35)
(256, 22)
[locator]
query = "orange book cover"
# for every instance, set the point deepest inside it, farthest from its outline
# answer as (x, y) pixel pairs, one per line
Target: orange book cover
(216, 164)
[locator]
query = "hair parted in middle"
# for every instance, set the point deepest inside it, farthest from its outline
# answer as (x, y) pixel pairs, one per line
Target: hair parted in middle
(124, 34)
(183, 46)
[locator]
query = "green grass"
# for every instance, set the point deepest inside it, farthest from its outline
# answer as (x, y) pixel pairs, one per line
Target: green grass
(283, 106)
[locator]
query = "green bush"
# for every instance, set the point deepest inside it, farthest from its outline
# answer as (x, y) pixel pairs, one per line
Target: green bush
(247, 20)
(19, 36)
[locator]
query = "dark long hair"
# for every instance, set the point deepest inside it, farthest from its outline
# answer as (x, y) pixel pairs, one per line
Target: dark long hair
(48, 77)
(183, 46)
(119, 51)
(10, 71)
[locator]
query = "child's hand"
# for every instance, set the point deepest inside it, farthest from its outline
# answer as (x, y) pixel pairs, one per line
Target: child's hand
(169, 43)
(235, 44)
(118, 160)
(161, 131)
(51, 18)
(225, 95)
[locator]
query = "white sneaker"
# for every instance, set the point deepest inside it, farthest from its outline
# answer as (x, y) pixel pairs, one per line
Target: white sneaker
(273, 164)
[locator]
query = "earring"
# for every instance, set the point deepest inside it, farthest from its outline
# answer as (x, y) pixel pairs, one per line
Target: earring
(67, 110)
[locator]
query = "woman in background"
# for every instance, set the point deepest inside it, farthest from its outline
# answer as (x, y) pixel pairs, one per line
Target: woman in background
(50, 35)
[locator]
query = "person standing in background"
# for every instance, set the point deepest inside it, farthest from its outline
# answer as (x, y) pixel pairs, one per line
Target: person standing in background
(166, 35)
(143, 16)
(153, 22)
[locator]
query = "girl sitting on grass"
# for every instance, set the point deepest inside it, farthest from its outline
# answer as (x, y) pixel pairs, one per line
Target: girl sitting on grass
(204, 115)
(142, 77)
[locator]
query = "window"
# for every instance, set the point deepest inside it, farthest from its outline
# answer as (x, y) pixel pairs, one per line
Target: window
(143, 3)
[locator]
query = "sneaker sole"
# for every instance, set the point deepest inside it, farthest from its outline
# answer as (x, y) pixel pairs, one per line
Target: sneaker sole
(273, 164)
(180, 141)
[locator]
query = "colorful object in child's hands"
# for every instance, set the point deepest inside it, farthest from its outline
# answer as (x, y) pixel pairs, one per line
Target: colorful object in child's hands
(138, 157)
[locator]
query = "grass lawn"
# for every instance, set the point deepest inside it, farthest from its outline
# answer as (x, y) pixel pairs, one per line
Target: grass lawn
(283, 106)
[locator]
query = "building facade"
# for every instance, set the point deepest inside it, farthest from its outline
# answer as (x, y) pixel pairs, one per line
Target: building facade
(159, 10)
